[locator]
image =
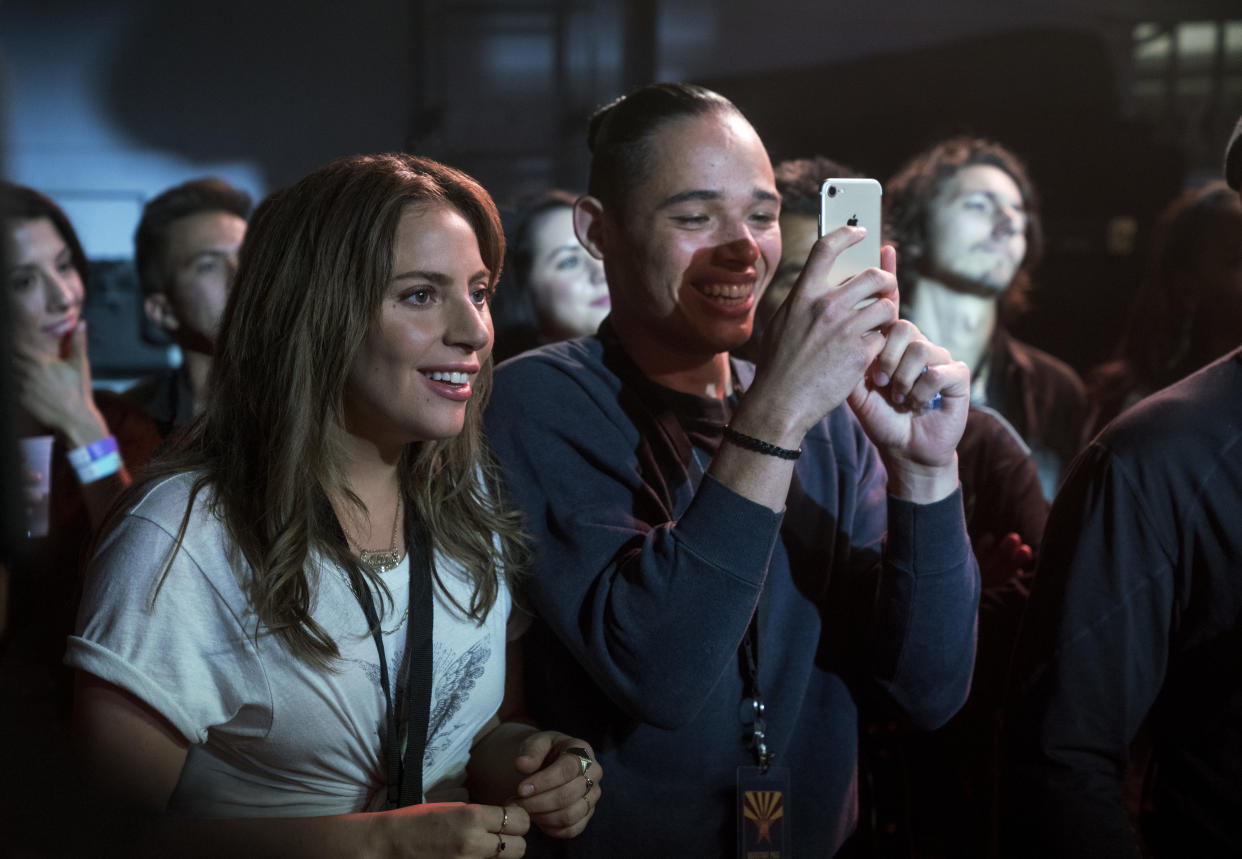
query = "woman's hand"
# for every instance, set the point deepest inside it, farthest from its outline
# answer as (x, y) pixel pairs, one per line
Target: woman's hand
(56, 392)
(449, 830)
(563, 788)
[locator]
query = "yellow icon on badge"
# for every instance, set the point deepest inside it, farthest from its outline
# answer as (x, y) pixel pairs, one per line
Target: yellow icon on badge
(763, 808)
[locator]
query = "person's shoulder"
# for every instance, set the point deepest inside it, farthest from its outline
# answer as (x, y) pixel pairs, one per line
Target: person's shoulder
(538, 377)
(565, 356)
(1203, 410)
(1048, 367)
(988, 431)
(164, 500)
(141, 538)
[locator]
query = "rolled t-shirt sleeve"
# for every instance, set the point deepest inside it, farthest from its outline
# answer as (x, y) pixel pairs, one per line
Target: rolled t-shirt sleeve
(177, 642)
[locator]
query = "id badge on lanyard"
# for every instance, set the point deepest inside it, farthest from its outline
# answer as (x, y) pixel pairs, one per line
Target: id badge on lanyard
(763, 813)
(763, 806)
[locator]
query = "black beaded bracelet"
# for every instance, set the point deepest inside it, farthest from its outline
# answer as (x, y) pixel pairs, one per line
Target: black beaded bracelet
(759, 445)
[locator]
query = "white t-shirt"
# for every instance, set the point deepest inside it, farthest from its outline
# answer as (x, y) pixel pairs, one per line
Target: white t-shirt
(270, 734)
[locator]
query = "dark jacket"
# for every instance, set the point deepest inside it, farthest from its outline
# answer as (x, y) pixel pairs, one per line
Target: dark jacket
(1044, 400)
(1136, 614)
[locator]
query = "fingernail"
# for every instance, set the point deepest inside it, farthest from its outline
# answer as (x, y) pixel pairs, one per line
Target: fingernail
(899, 398)
(526, 789)
(882, 379)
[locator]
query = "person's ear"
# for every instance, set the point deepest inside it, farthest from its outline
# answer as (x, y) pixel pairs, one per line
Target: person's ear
(160, 311)
(589, 225)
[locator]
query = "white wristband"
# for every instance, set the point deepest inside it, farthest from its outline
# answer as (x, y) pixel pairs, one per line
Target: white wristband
(106, 465)
(92, 452)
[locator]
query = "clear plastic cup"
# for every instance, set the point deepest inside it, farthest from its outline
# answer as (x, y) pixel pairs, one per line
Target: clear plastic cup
(37, 482)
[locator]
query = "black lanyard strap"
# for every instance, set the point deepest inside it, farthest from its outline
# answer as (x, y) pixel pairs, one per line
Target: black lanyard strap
(405, 772)
(669, 458)
(753, 712)
(418, 648)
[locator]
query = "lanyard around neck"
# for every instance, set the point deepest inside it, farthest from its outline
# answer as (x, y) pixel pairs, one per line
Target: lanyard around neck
(661, 419)
(405, 771)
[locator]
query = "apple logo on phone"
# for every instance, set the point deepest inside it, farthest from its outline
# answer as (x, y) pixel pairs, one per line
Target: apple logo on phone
(852, 222)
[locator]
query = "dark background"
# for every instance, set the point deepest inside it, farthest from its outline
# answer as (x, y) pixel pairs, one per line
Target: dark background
(1115, 105)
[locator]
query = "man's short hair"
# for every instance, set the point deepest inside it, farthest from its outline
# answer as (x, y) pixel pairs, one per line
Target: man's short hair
(189, 198)
(799, 179)
(619, 134)
(909, 194)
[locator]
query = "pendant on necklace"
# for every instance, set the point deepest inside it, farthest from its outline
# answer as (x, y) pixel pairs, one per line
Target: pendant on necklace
(380, 560)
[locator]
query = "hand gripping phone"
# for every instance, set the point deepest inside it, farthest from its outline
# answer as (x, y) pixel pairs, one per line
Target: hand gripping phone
(854, 203)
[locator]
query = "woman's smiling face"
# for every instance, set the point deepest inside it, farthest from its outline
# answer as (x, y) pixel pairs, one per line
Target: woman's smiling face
(411, 380)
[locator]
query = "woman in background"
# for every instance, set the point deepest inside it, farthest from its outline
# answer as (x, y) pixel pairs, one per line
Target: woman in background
(557, 290)
(1188, 310)
(299, 626)
(96, 434)
(78, 447)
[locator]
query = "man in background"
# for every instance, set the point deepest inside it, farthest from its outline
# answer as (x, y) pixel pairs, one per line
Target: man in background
(965, 219)
(185, 251)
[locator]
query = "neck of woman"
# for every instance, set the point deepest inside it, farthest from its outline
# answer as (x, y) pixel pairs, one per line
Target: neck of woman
(371, 475)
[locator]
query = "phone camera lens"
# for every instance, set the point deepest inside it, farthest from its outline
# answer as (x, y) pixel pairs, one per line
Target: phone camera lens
(832, 190)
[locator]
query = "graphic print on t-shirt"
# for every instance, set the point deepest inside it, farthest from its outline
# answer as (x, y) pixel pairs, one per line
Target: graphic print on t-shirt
(454, 683)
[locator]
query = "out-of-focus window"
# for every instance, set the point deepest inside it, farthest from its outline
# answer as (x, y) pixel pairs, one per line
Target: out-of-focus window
(1187, 82)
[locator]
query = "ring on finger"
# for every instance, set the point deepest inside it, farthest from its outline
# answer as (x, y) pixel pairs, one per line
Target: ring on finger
(584, 757)
(504, 822)
(590, 784)
(500, 845)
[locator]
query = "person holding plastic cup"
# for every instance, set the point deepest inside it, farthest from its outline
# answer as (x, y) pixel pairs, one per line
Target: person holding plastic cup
(46, 271)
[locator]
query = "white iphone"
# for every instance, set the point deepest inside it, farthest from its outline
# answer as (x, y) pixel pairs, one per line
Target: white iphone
(854, 203)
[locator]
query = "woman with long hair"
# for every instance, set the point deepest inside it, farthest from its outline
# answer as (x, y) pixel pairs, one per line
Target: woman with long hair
(78, 446)
(1188, 310)
(298, 627)
(556, 290)
(46, 274)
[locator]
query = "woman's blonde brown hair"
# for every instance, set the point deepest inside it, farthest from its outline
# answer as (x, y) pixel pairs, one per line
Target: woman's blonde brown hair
(313, 271)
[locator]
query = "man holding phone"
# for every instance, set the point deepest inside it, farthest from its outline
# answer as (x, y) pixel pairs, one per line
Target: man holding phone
(727, 557)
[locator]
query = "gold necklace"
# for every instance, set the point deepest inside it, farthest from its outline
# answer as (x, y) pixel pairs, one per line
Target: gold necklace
(383, 560)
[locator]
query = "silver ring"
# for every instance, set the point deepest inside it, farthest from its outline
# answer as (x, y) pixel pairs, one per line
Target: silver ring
(504, 822)
(500, 845)
(590, 784)
(584, 757)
